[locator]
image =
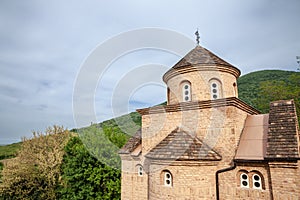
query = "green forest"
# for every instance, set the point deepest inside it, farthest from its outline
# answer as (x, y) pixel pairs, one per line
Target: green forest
(84, 164)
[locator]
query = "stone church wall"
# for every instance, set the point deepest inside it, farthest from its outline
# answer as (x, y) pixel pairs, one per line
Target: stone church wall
(200, 85)
(189, 182)
(134, 186)
(220, 128)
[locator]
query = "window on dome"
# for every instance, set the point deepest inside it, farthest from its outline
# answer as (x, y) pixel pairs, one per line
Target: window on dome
(215, 89)
(186, 91)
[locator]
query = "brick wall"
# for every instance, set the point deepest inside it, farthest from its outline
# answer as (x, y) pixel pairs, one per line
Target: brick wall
(230, 184)
(220, 128)
(200, 86)
(285, 180)
(189, 182)
(133, 185)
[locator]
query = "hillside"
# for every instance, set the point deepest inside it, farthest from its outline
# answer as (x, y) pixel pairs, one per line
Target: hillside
(9, 151)
(249, 84)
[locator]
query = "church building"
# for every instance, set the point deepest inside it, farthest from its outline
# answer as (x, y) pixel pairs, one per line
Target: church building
(206, 143)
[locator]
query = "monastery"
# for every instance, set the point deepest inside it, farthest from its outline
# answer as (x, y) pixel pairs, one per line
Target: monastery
(206, 143)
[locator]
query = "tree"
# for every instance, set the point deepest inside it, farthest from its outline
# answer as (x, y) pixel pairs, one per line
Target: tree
(279, 90)
(1, 168)
(85, 177)
(35, 172)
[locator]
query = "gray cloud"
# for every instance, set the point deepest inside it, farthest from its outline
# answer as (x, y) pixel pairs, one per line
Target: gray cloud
(43, 45)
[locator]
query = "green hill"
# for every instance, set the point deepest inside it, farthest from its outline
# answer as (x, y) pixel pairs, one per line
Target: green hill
(9, 151)
(249, 84)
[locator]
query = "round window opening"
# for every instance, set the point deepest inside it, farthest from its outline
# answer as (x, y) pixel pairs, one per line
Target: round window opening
(186, 92)
(257, 184)
(186, 87)
(256, 178)
(214, 91)
(215, 96)
(244, 176)
(186, 98)
(214, 85)
(244, 183)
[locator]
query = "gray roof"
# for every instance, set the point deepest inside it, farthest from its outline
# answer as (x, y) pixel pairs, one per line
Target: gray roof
(283, 136)
(200, 55)
(180, 145)
(132, 143)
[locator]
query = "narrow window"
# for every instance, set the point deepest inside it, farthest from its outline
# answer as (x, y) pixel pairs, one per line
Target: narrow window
(140, 170)
(186, 91)
(256, 180)
(244, 180)
(167, 178)
(215, 89)
(168, 95)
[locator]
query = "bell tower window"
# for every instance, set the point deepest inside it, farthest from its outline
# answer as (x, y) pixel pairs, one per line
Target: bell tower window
(215, 89)
(186, 91)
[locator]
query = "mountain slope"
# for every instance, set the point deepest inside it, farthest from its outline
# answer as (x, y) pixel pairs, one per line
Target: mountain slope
(249, 84)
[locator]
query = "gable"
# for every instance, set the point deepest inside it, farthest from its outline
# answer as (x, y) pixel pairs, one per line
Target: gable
(180, 145)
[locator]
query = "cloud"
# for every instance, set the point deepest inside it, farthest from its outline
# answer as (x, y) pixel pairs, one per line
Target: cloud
(43, 45)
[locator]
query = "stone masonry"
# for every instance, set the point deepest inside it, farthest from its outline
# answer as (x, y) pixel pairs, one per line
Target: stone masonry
(208, 144)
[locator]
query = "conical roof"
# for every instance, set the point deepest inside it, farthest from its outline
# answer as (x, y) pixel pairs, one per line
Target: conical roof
(200, 59)
(200, 55)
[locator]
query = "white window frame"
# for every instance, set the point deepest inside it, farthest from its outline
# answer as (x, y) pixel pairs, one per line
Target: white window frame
(140, 170)
(168, 179)
(186, 88)
(242, 180)
(212, 90)
(217, 90)
(256, 181)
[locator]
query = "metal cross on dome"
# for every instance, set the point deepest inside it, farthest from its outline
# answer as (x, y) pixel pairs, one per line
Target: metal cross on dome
(197, 37)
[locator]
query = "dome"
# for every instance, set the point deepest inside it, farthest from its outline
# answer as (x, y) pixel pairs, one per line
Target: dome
(200, 76)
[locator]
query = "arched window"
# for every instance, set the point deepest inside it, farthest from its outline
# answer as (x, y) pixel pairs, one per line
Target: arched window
(244, 180)
(140, 170)
(186, 91)
(256, 181)
(167, 178)
(215, 89)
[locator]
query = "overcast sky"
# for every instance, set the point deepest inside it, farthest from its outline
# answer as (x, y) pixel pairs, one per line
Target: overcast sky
(44, 44)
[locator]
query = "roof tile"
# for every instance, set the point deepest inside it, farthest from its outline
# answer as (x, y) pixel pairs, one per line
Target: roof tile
(180, 145)
(132, 143)
(200, 55)
(283, 133)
